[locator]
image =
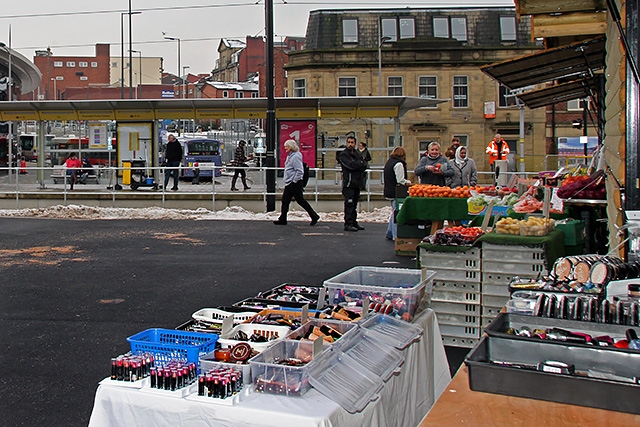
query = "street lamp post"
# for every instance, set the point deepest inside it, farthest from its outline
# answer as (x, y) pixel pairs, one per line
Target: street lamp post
(178, 40)
(122, 14)
(139, 80)
(382, 39)
(184, 81)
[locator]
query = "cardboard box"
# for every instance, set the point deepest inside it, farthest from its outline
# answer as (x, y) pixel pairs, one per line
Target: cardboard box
(407, 246)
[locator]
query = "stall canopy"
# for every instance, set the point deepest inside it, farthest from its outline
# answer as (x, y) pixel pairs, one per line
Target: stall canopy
(571, 69)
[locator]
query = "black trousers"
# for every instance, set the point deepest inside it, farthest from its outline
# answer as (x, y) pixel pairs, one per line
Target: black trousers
(294, 191)
(243, 177)
(351, 197)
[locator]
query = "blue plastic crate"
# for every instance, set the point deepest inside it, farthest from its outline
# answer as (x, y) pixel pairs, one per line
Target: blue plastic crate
(167, 344)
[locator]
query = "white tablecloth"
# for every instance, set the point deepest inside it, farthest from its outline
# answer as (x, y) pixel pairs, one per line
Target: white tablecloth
(404, 400)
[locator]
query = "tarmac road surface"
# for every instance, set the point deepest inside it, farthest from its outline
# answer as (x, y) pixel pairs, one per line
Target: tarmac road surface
(72, 291)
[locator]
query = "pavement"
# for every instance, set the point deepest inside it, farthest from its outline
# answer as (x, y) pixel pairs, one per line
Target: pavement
(72, 291)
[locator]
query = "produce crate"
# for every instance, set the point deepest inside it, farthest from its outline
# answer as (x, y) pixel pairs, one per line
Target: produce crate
(469, 260)
(456, 308)
(491, 311)
(502, 279)
(574, 233)
(459, 342)
(167, 344)
(461, 331)
(515, 253)
(458, 320)
(272, 377)
(458, 275)
(491, 301)
(272, 333)
(495, 290)
(507, 266)
(529, 382)
(458, 297)
(458, 287)
(406, 288)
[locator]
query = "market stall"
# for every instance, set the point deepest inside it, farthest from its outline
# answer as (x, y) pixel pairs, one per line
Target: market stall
(406, 343)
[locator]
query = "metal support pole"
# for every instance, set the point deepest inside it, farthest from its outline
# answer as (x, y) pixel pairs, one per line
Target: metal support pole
(271, 110)
(130, 56)
(521, 148)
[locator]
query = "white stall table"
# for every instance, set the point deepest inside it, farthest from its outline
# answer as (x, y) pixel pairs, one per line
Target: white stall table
(404, 400)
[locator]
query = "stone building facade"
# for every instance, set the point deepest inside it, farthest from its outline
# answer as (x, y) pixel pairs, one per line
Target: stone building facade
(434, 53)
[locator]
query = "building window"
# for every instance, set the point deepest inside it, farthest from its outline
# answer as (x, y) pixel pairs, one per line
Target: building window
(459, 28)
(346, 86)
(508, 28)
(464, 139)
(407, 28)
(460, 91)
(394, 86)
(225, 93)
(94, 64)
(83, 64)
(441, 27)
(254, 94)
(576, 105)
(57, 64)
(505, 99)
(389, 29)
(239, 94)
(299, 88)
(114, 64)
(391, 139)
(428, 87)
(349, 31)
(71, 64)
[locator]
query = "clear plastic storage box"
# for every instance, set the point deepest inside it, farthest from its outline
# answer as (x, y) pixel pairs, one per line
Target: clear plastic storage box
(272, 372)
(340, 326)
(404, 289)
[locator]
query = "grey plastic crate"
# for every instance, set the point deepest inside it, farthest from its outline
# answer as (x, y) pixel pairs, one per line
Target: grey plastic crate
(459, 342)
(459, 297)
(446, 286)
(451, 260)
(486, 321)
(497, 278)
(491, 252)
(493, 301)
(490, 311)
(461, 331)
(458, 320)
(495, 290)
(457, 275)
(514, 268)
(455, 308)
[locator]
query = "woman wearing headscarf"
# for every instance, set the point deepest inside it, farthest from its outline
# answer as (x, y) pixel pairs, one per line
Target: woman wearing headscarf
(464, 169)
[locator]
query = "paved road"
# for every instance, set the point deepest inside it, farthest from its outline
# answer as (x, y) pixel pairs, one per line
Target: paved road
(71, 291)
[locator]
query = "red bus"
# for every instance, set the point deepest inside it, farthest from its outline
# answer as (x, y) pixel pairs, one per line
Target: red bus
(62, 146)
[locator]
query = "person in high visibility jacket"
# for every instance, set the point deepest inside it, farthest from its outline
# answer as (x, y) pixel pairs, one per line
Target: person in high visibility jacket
(497, 150)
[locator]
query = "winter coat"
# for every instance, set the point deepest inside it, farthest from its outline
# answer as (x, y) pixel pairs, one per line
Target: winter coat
(353, 168)
(465, 175)
(428, 177)
(390, 178)
(173, 153)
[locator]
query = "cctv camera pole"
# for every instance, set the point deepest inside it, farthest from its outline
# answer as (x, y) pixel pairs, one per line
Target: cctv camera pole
(270, 128)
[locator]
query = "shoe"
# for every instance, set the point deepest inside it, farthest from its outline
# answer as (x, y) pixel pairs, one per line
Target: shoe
(247, 188)
(174, 188)
(359, 227)
(314, 220)
(350, 228)
(280, 222)
(388, 238)
(234, 189)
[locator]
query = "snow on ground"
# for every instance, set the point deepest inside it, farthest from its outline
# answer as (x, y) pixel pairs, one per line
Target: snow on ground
(380, 215)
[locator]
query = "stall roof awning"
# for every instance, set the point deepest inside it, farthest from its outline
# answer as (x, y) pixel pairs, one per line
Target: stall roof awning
(214, 108)
(560, 93)
(571, 62)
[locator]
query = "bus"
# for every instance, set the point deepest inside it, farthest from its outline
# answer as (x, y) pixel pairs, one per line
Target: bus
(28, 145)
(62, 146)
(201, 150)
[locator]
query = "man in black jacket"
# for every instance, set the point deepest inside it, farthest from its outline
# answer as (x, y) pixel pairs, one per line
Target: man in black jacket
(173, 156)
(353, 169)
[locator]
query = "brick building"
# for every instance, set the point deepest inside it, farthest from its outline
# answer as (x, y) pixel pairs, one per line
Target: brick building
(434, 53)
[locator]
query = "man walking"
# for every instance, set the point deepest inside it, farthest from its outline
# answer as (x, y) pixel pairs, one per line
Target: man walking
(173, 157)
(353, 169)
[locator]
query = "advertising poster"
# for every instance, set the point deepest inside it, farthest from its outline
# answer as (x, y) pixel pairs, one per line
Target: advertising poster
(135, 142)
(304, 133)
(98, 135)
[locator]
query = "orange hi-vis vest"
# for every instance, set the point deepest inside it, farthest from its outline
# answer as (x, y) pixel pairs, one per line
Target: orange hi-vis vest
(493, 152)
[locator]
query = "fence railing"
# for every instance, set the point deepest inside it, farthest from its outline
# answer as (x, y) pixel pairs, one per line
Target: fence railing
(323, 182)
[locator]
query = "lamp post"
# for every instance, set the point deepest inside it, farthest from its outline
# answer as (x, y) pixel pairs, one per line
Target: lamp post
(55, 89)
(178, 40)
(381, 40)
(139, 80)
(122, 14)
(184, 81)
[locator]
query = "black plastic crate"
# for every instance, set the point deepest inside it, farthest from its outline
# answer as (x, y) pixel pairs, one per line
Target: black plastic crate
(487, 376)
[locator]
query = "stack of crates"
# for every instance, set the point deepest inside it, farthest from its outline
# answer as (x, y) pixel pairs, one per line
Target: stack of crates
(456, 295)
(500, 264)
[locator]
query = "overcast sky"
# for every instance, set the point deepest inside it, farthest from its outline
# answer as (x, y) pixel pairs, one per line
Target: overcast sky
(73, 27)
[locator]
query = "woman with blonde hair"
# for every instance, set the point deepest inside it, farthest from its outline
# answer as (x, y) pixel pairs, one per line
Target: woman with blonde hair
(293, 185)
(395, 175)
